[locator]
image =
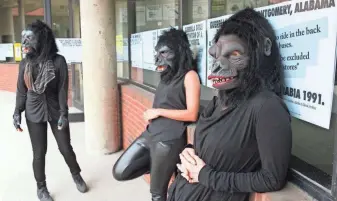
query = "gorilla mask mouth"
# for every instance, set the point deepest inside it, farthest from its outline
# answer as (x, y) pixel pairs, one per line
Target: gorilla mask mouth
(161, 68)
(26, 50)
(219, 81)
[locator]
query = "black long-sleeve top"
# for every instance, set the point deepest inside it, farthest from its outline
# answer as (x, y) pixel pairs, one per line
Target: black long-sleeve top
(246, 149)
(49, 105)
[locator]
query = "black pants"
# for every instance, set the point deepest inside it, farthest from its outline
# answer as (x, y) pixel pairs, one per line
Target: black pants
(38, 137)
(142, 156)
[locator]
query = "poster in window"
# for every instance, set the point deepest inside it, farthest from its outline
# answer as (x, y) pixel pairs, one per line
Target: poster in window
(119, 48)
(6, 51)
(171, 11)
(17, 52)
(233, 6)
(154, 12)
(200, 9)
(309, 67)
(70, 48)
(140, 16)
(196, 34)
(137, 50)
(149, 43)
(213, 25)
(125, 49)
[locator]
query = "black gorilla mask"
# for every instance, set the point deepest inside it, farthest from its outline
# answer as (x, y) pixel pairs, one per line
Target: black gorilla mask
(29, 41)
(229, 58)
(174, 56)
(164, 58)
(246, 58)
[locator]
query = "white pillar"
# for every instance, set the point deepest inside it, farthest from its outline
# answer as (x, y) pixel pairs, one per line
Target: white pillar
(6, 24)
(99, 75)
(22, 18)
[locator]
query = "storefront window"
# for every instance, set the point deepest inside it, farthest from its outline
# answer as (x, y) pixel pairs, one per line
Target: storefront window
(152, 15)
(14, 16)
(60, 18)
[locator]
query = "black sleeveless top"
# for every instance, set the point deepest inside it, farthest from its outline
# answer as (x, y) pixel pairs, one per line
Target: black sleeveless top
(168, 96)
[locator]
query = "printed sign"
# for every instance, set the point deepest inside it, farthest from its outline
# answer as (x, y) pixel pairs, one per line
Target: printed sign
(196, 34)
(149, 43)
(137, 50)
(6, 51)
(306, 35)
(17, 52)
(71, 49)
(154, 12)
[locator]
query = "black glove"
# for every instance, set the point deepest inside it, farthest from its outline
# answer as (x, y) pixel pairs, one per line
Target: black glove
(62, 122)
(17, 122)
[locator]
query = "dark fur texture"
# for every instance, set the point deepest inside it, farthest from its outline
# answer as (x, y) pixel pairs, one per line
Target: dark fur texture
(177, 40)
(46, 48)
(263, 72)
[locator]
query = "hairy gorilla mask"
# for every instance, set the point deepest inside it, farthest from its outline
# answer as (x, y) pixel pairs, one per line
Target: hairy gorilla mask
(29, 41)
(173, 54)
(38, 42)
(245, 57)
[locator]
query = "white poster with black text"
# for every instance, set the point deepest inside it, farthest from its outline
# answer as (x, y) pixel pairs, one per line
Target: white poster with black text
(136, 50)
(196, 34)
(71, 49)
(149, 43)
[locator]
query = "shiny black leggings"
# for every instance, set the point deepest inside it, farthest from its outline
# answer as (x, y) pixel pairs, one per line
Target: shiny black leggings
(38, 137)
(142, 156)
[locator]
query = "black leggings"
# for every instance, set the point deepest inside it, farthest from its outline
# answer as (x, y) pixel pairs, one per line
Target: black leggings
(142, 156)
(38, 137)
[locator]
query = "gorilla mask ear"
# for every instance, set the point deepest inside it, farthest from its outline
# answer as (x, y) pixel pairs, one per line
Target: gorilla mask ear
(267, 47)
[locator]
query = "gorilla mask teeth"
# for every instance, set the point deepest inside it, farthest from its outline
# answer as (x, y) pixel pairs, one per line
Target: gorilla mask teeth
(222, 80)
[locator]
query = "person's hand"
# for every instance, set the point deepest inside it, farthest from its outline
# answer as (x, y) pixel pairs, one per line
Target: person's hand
(62, 122)
(151, 114)
(188, 154)
(183, 171)
(193, 170)
(17, 122)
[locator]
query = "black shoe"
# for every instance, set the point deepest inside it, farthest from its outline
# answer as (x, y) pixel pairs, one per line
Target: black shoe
(156, 197)
(80, 184)
(43, 194)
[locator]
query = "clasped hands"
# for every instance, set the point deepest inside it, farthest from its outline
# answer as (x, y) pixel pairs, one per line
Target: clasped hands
(191, 165)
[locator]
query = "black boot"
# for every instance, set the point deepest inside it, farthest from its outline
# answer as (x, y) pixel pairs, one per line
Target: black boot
(156, 197)
(42, 192)
(80, 184)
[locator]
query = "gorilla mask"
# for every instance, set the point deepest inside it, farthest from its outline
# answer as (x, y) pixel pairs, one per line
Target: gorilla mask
(38, 42)
(174, 56)
(229, 57)
(29, 41)
(164, 58)
(246, 58)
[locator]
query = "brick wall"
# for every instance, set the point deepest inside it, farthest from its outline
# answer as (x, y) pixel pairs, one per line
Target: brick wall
(9, 75)
(136, 100)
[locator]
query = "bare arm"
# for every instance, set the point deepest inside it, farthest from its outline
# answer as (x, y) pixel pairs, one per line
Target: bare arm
(192, 88)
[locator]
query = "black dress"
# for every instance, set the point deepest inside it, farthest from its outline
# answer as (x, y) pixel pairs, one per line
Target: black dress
(246, 148)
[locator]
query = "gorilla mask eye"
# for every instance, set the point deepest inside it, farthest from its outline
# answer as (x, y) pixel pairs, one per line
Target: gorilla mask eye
(235, 53)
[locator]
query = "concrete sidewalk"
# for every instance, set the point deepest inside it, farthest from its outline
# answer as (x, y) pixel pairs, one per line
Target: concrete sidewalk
(16, 175)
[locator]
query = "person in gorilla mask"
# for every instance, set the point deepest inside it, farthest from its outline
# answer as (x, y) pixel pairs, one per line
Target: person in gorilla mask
(176, 103)
(42, 92)
(243, 138)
